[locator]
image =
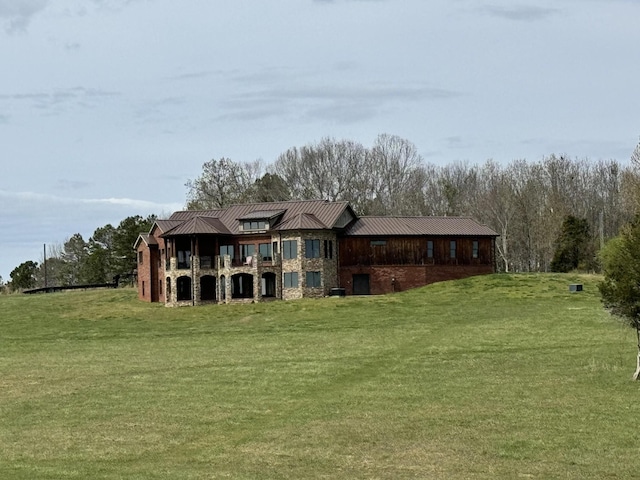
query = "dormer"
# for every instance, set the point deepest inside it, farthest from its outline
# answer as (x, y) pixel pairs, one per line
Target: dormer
(259, 221)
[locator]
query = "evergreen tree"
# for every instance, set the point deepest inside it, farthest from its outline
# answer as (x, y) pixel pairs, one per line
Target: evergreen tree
(24, 275)
(620, 288)
(573, 245)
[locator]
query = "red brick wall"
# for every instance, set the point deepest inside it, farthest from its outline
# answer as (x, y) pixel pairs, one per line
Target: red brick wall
(390, 278)
(144, 272)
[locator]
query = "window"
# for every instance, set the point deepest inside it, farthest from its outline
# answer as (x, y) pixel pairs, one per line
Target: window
(475, 249)
(328, 249)
(313, 279)
(429, 248)
(275, 247)
(143, 288)
(265, 251)
(312, 248)
(160, 287)
(452, 249)
(290, 249)
(184, 259)
(378, 243)
(247, 250)
(184, 288)
(226, 250)
(140, 257)
(254, 225)
(291, 280)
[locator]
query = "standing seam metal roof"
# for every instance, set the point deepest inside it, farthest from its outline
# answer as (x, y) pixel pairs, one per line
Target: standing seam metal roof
(320, 214)
(437, 226)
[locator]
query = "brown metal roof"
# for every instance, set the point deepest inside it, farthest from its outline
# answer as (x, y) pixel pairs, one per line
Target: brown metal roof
(436, 226)
(303, 221)
(322, 212)
(199, 225)
(146, 238)
(166, 225)
(260, 214)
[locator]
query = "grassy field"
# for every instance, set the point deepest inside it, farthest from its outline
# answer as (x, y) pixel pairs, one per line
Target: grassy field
(504, 376)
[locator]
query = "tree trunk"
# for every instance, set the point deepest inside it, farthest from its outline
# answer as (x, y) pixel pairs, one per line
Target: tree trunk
(637, 372)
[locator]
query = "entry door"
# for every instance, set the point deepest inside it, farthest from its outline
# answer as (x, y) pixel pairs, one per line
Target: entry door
(361, 284)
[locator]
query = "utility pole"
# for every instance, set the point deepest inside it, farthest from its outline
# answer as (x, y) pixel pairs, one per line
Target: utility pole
(45, 265)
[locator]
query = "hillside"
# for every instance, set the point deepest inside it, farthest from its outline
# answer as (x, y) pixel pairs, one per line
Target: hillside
(503, 376)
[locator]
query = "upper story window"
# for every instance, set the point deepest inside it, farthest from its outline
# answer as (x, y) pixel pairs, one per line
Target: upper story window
(475, 249)
(290, 249)
(254, 225)
(328, 249)
(140, 257)
(265, 251)
(226, 250)
(378, 243)
(429, 248)
(312, 248)
(247, 250)
(452, 249)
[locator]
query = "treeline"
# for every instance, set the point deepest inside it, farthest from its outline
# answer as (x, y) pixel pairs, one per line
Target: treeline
(552, 214)
(526, 202)
(107, 253)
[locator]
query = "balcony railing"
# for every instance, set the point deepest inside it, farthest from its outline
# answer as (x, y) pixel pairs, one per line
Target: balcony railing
(225, 261)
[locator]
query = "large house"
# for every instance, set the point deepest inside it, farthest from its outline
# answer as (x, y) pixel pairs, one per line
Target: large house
(295, 249)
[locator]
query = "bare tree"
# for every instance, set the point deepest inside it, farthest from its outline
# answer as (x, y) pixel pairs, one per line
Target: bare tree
(222, 183)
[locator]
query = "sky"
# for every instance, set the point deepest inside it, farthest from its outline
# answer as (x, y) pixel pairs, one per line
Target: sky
(108, 107)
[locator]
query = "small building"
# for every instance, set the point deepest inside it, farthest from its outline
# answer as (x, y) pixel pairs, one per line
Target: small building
(287, 250)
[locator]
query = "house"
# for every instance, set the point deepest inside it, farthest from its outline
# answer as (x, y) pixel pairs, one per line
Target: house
(295, 249)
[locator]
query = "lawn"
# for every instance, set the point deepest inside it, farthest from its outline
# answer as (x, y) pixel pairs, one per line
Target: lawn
(502, 376)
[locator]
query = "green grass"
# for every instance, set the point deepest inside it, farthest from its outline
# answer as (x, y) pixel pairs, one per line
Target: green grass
(503, 376)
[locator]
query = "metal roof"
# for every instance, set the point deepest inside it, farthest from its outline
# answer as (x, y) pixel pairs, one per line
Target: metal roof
(302, 221)
(260, 214)
(316, 215)
(436, 226)
(199, 225)
(323, 214)
(146, 238)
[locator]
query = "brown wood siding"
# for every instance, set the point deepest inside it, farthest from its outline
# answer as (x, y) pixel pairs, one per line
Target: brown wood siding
(413, 251)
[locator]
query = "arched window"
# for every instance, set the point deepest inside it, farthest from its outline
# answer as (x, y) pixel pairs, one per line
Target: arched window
(184, 288)
(242, 286)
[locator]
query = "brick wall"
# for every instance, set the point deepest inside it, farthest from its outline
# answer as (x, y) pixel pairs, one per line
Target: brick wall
(397, 278)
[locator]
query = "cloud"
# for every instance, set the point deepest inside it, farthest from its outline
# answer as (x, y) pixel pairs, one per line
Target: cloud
(58, 100)
(333, 103)
(35, 218)
(521, 13)
(16, 14)
(26, 199)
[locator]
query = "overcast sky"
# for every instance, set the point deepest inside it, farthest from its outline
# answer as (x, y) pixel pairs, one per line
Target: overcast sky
(107, 107)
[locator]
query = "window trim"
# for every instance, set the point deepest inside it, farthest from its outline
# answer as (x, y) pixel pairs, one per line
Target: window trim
(290, 249)
(290, 283)
(316, 279)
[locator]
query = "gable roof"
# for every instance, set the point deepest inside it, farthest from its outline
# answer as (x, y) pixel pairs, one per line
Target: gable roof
(302, 221)
(199, 225)
(146, 238)
(419, 226)
(297, 214)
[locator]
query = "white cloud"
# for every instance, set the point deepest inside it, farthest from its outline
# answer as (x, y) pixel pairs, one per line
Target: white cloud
(30, 219)
(18, 13)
